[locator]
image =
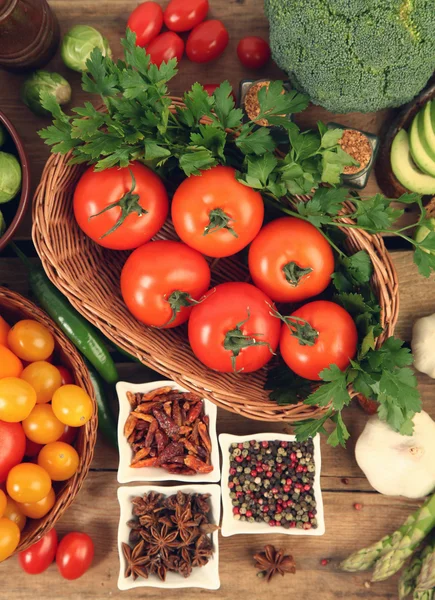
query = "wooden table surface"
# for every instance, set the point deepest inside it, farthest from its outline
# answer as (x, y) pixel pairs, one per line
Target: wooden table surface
(95, 510)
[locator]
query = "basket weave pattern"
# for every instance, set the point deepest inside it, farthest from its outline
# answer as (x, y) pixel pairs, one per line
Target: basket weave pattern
(14, 307)
(89, 276)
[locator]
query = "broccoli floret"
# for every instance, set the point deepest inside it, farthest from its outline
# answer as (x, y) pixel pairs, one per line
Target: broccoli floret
(354, 55)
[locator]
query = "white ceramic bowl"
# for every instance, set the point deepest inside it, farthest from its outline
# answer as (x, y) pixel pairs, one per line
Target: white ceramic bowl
(206, 577)
(127, 474)
(231, 526)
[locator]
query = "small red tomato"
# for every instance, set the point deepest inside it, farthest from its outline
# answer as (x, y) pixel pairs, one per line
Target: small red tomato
(253, 52)
(184, 15)
(66, 375)
(39, 556)
(32, 448)
(12, 446)
(211, 87)
(69, 435)
(146, 22)
(164, 47)
(207, 41)
(74, 555)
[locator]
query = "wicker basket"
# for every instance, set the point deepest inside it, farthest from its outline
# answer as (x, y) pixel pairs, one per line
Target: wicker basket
(89, 276)
(14, 307)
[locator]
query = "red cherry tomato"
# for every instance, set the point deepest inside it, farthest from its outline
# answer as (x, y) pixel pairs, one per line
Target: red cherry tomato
(184, 15)
(161, 281)
(12, 447)
(32, 448)
(290, 260)
(119, 227)
(69, 435)
(66, 375)
(39, 556)
(335, 339)
(74, 555)
(211, 87)
(253, 52)
(146, 22)
(164, 47)
(229, 311)
(207, 41)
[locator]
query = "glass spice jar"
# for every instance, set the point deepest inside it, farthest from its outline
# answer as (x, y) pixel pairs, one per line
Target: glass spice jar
(29, 34)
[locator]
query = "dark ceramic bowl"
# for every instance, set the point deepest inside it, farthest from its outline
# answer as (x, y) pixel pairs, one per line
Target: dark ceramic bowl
(15, 209)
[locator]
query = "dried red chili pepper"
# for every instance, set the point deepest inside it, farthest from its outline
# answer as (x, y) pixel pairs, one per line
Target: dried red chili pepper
(150, 433)
(197, 465)
(176, 413)
(194, 412)
(203, 432)
(166, 423)
(171, 450)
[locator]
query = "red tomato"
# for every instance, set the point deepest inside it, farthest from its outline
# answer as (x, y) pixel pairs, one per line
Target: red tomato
(216, 214)
(184, 15)
(74, 555)
(234, 329)
(12, 447)
(211, 87)
(120, 208)
(32, 448)
(253, 52)
(69, 435)
(207, 41)
(331, 329)
(66, 375)
(164, 47)
(290, 260)
(39, 556)
(146, 21)
(161, 281)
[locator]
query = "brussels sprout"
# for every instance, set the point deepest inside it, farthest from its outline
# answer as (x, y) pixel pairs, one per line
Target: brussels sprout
(78, 44)
(39, 81)
(2, 135)
(10, 177)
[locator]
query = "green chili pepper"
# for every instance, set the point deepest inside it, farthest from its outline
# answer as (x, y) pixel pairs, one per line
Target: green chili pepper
(106, 421)
(75, 327)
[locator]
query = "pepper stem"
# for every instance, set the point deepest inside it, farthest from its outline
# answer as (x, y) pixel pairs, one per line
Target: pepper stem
(299, 328)
(235, 341)
(177, 300)
(129, 203)
(294, 273)
(219, 220)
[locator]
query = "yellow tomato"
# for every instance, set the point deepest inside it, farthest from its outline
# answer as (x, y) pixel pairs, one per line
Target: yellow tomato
(30, 340)
(9, 538)
(4, 330)
(37, 510)
(28, 483)
(14, 513)
(17, 399)
(42, 426)
(72, 405)
(3, 503)
(44, 379)
(60, 460)
(10, 365)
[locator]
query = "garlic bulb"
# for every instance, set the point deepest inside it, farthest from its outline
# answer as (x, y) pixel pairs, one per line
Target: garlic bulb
(423, 345)
(395, 464)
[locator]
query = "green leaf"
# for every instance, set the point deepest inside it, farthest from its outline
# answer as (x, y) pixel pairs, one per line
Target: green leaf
(401, 385)
(120, 157)
(410, 198)
(359, 266)
(355, 304)
(255, 142)
(368, 342)
(322, 128)
(198, 104)
(194, 160)
(275, 101)
(304, 144)
(335, 391)
(311, 427)
(424, 261)
(392, 354)
(330, 137)
(340, 434)
(227, 115)
(98, 79)
(261, 167)
(287, 388)
(153, 151)
(212, 138)
(429, 242)
(135, 56)
(376, 213)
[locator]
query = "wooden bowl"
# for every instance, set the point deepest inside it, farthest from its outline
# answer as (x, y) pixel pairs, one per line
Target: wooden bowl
(11, 207)
(14, 307)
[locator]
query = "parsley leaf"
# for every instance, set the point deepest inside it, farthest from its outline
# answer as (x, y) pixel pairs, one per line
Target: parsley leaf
(335, 391)
(376, 213)
(330, 137)
(257, 141)
(311, 427)
(228, 117)
(340, 434)
(424, 261)
(274, 102)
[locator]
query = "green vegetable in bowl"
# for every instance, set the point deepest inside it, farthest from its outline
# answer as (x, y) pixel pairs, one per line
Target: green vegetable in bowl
(2, 135)
(78, 44)
(354, 55)
(50, 83)
(10, 177)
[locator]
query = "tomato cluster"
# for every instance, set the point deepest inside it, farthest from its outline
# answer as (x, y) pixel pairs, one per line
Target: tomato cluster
(40, 411)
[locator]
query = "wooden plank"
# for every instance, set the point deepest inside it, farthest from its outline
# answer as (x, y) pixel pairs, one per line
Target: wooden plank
(96, 513)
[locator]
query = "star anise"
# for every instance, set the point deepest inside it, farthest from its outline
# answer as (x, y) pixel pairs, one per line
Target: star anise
(135, 561)
(178, 499)
(183, 521)
(149, 520)
(146, 504)
(201, 503)
(157, 566)
(273, 561)
(185, 568)
(160, 540)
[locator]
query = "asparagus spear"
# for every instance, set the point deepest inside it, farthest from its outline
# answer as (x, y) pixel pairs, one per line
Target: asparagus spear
(408, 579)
(391, 561)
(426, 577)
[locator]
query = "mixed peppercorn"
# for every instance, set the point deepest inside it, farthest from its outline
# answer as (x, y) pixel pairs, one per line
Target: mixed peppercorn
(272, 481)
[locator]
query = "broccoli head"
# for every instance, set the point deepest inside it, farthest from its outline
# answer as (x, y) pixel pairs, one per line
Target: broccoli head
(354, 55)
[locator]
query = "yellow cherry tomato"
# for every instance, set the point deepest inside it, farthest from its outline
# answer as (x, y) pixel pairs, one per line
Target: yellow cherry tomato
(14, 513)
(3, 503)
(10, 365)
(17, 399)
(42, 426)
(37, 510)
(60, 460)
(9, 537)
(30, 340)
(28, 483)
(4, 330)
(44, 379)
(72, 405)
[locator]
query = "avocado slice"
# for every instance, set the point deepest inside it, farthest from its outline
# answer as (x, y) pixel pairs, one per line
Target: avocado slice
(418, 151)
(405, 169)
(429, 127)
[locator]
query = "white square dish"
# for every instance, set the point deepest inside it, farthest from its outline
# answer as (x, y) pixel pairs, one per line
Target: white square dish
(206, 577)
(127, 474)
(231, 526)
